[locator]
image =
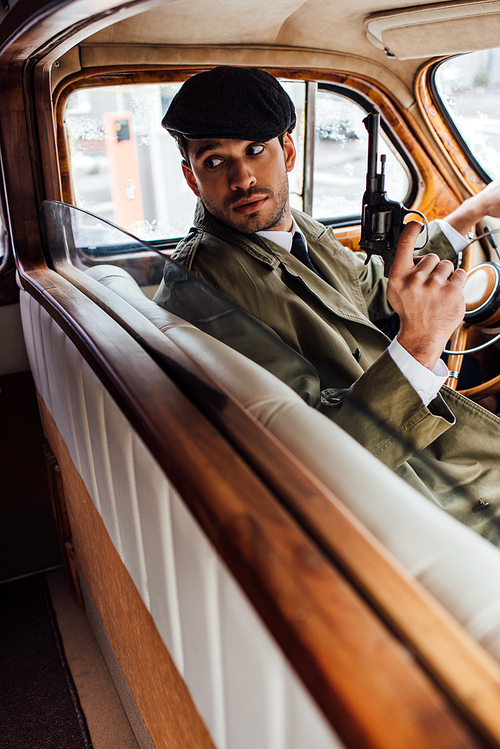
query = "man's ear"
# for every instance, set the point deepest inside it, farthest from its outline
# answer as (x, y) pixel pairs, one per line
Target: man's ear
(289, 151)
(190, 178)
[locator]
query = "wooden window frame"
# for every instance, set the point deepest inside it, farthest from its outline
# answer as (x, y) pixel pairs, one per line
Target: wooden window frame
(433, 195)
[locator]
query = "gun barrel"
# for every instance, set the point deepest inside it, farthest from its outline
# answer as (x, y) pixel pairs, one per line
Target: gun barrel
(371, 123)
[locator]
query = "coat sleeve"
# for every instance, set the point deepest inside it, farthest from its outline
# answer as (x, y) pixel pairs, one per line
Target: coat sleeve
(381, 410)
(438, 243)
(385, 414)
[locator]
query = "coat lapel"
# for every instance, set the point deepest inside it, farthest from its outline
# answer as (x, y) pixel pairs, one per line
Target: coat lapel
(331, 293)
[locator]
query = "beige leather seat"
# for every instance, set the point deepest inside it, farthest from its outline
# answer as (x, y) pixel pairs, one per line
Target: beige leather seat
(149, 568)
(460, 568)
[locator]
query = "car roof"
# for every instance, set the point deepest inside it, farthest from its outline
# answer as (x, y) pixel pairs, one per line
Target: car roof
(382, 38)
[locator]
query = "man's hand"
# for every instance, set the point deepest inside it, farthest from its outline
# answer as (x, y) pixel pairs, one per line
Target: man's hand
(472, 210)
(428, 296)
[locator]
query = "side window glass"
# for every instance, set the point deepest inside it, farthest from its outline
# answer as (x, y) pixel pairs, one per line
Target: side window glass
(340, 160)
(469, 90)
(126, 168)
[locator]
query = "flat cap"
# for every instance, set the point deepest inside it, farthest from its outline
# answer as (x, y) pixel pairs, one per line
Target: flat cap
(228, 102)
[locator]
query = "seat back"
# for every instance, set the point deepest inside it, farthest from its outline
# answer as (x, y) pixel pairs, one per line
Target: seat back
(213, 590)
(130, 521)
(458, 567)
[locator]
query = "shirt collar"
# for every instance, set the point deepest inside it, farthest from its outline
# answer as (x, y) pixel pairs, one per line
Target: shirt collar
(282, 238)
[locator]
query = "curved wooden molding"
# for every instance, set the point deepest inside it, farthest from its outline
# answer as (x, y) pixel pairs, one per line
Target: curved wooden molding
(343, 653)
(400, 601)
(445, 138)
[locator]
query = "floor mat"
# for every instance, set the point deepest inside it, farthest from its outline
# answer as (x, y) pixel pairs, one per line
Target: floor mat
(39, 706)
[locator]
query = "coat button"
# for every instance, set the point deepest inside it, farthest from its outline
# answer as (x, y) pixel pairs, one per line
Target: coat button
(481, 506)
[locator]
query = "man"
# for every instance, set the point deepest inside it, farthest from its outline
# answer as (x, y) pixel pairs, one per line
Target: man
(233, 127)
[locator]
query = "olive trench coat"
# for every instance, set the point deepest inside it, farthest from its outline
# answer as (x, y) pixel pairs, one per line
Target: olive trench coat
(449, 449)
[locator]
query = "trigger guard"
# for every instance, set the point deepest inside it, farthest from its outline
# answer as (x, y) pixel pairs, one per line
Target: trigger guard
(425, 226)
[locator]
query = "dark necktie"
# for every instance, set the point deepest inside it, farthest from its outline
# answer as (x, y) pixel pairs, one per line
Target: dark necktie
(299, 249)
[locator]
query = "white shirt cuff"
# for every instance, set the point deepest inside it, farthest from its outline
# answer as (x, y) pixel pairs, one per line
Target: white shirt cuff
(426, 383)
(457, 240)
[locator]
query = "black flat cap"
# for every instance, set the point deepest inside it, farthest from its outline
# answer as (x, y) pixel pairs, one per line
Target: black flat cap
(227, 102)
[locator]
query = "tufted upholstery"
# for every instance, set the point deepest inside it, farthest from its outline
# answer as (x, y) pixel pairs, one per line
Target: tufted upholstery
(457, 566)
(204, 619)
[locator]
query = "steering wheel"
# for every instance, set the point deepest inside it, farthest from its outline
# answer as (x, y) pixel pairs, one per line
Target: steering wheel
(482, 305)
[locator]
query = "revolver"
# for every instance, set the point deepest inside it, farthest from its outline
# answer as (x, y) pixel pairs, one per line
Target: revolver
(381, 219)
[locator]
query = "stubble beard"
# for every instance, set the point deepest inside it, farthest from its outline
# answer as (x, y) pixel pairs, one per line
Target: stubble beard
(253, 222)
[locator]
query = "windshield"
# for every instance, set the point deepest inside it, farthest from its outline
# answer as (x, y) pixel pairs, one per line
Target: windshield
(469, 89)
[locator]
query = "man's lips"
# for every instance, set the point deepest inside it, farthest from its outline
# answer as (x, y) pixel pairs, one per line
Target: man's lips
(250, 205)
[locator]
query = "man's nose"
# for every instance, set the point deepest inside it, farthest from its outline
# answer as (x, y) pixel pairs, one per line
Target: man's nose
(241, 175)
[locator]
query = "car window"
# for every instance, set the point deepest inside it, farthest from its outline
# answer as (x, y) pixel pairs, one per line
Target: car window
(468, 88)
(125, 167)
(340, 159)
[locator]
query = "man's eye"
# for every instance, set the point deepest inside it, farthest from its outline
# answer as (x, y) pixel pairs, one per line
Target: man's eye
(212, 162)
(255, 149)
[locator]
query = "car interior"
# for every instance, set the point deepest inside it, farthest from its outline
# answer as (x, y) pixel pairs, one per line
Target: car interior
(249, 575)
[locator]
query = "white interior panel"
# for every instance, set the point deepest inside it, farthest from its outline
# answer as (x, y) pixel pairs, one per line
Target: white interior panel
(196, 581)
(74, 370)
(122, 465)
(37, 357)
(100, 457)
(28, 322)
(254, 672)
(242, 685)
(156, 523)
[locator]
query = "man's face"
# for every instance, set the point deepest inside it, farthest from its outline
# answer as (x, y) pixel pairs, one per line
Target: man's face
(243, 183)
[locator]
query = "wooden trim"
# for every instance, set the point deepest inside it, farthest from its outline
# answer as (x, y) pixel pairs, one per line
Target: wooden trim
(46, 132)
(445, 138)
(461, 666)
(63, 528)
(363, 679)
(159, 690)
(491, 387)
(16, 149)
